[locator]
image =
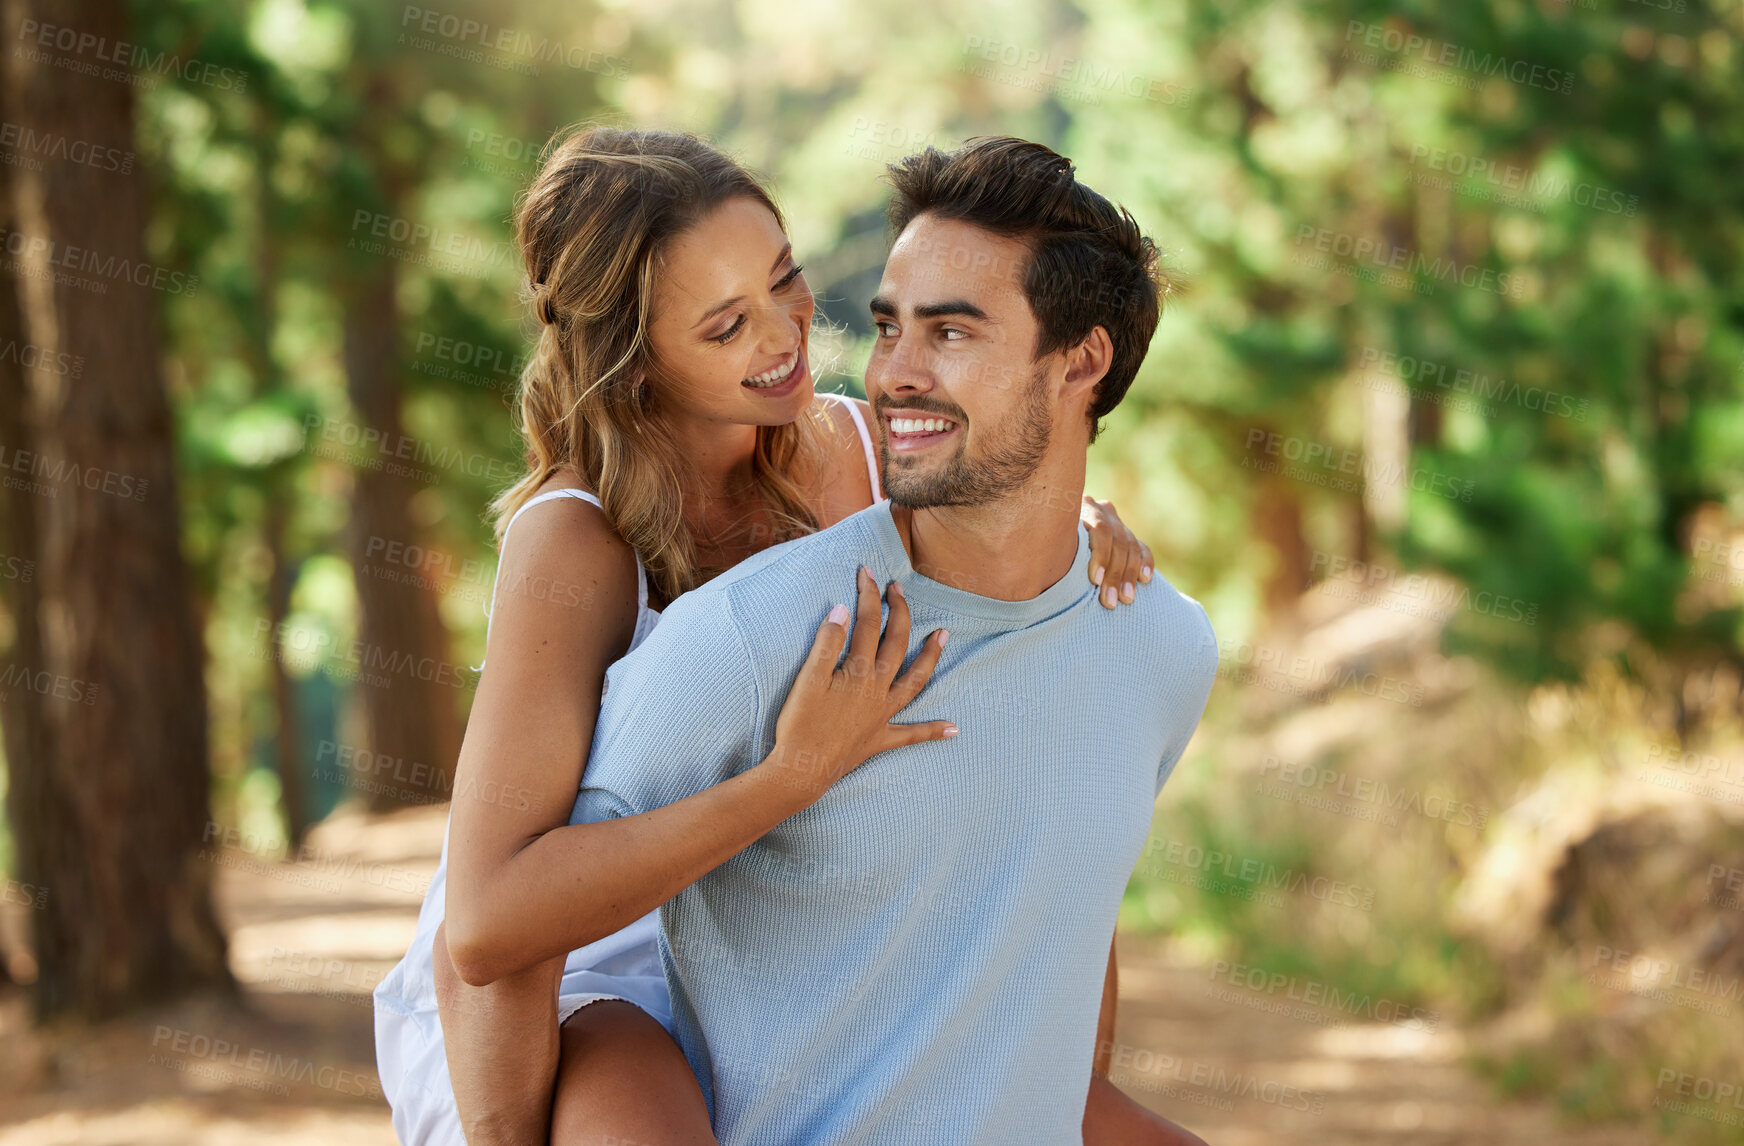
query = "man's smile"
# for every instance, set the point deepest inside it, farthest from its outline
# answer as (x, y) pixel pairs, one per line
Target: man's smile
(911, 430)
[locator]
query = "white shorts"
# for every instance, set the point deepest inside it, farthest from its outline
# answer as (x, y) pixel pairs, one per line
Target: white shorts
(413, 1060)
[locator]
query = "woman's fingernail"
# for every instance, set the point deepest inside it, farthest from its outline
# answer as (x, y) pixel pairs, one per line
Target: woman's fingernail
(896, 587)
(1144, 573)
(950, 732)
(1096, 577)
(1126, 591)
(839, 615)
(1108, 596)
(943, 633)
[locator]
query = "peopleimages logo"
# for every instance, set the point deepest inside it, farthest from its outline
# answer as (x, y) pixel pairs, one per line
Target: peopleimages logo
(166, 1040)
(28, 141)
(35, 253)
(1325, 782)
(1069, 74)
(1480, 388)
(1324, 464)
(512, 49)
(1372, 583)
(1387, 256)
(1412, 47)
(133, 61)
(1346, 1004)
(1664, 980)
(1503, 179)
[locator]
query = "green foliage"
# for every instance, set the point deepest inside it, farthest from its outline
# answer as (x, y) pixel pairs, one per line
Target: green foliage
(1549, 265)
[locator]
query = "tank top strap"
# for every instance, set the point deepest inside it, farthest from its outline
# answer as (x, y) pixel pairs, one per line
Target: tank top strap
(641, 593)
(550, 495)
(553, 495)
(865, 443)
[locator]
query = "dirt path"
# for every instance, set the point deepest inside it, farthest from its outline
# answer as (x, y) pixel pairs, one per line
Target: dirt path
(295, 1062)
(1245, 1067)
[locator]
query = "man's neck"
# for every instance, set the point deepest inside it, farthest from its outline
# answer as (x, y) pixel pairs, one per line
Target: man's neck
(1012, 549)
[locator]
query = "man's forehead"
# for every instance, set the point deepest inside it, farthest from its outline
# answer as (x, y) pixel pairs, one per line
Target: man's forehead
(950, 257)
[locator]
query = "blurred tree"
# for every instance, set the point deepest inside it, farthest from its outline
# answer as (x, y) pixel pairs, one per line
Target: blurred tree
(412, 718)
(108, 756)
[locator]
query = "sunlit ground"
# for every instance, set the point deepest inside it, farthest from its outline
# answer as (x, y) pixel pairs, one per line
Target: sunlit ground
(310, 940)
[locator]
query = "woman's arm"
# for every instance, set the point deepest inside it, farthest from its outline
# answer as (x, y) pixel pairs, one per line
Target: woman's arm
(523, 885)
(1111, 1118)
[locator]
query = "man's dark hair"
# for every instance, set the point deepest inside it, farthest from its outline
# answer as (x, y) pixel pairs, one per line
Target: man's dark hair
(1089, 264)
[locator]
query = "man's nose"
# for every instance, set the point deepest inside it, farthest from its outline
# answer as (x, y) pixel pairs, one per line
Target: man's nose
(902, 370)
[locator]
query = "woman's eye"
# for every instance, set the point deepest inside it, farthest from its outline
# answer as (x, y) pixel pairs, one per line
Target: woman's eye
(726, 337)
(790, 277)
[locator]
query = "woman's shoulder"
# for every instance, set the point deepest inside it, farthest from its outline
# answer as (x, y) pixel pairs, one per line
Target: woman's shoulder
(841, 409)
(562, 559)
(846, 487)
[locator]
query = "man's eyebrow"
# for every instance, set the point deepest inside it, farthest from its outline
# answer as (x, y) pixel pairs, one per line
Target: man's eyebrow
(739, 298)
(958, 306)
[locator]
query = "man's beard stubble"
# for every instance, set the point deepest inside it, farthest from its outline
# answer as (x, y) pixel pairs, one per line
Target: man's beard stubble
(998, 471)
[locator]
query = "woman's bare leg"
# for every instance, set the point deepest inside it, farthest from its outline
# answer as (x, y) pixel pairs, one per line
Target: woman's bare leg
(624, 1082)
(502, 1050)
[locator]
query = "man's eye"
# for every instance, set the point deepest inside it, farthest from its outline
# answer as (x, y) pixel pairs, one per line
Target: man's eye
(885, 329)
(727, 336)
(948, 331)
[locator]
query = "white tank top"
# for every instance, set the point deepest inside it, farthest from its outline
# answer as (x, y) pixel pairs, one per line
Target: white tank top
(630, 952)
(647, 618)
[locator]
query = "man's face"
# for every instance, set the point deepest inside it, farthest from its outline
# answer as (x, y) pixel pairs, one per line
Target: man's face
(964, 410)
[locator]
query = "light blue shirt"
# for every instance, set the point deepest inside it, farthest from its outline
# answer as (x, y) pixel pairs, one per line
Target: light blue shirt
(918, 957)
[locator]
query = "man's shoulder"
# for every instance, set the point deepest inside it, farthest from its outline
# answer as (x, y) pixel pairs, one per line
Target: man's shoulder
(797, 564)
(767, 588)
(1171, 619)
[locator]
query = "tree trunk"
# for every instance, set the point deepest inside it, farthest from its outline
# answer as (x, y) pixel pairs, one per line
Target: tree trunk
(277, 483)
(24, 727)
(1278, 525)
(293, 792)
(1386, 454)
(109, 773)
(405, 685)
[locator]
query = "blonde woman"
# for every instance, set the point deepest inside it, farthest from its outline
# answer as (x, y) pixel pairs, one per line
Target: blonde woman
(672, 431)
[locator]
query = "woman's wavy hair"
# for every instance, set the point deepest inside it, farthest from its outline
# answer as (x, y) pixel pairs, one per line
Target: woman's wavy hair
(592, 229)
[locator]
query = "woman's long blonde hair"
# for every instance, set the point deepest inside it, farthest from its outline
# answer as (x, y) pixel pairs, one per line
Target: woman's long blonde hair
(592, 228)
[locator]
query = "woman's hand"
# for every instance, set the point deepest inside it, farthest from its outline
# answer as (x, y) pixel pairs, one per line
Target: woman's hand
(1119, 561)
(837, 717)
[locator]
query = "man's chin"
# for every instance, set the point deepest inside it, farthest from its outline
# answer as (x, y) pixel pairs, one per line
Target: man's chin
(912, 487)
(923, 495)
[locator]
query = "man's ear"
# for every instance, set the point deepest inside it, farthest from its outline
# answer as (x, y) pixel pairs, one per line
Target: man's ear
(1087, 364)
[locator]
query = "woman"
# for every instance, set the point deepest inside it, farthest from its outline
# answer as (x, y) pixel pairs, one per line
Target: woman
(672, 431)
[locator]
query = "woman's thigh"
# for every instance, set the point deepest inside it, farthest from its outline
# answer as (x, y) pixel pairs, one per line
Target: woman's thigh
(623, 1081)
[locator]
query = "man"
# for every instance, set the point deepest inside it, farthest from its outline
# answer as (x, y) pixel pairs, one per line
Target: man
(919, 956)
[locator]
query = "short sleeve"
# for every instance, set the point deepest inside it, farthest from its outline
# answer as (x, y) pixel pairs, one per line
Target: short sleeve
(1198, 669)
(679, 714)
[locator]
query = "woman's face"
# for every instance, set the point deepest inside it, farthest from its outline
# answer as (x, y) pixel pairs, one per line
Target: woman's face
(732, 313)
